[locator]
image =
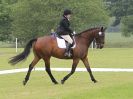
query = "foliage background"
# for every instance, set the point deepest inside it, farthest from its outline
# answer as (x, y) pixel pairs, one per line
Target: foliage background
(34, 18)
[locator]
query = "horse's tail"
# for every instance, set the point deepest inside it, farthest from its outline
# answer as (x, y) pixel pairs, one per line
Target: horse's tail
(14, 60)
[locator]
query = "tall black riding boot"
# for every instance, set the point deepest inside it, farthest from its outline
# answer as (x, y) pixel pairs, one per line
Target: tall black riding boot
(68, 47)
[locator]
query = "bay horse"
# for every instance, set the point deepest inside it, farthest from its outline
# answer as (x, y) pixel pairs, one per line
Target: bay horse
(46, 46)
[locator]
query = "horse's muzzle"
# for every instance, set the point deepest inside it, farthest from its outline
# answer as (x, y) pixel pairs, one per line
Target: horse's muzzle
(100, 46)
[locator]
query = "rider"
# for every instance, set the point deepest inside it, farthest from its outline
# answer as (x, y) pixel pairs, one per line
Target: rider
(65, 31)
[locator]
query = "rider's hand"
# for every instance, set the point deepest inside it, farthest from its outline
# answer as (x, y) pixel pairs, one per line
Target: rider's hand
(72, 34)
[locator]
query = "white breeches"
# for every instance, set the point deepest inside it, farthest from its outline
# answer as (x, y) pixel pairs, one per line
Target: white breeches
(67, 38)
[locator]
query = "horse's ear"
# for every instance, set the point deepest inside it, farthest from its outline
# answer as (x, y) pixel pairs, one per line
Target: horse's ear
(102, 29)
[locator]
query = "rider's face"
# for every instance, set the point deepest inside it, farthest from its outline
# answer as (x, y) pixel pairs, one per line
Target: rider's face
(68, 16)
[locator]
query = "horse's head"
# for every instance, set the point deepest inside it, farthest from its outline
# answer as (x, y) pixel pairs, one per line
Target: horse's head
(99, 38)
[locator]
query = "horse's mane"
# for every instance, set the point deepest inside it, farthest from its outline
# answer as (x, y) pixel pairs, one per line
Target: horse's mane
(90, 30)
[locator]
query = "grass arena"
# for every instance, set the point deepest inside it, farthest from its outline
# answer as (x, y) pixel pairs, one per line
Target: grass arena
(116, 85)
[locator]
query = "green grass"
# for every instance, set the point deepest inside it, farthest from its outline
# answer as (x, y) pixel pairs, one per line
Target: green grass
(104, 58)
(111, 85)
(79, 86)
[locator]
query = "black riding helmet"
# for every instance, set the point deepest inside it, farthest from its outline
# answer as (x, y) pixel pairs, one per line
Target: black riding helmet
(67, 12)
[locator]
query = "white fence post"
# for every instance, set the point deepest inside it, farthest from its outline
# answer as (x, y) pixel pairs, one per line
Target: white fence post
(92, 45)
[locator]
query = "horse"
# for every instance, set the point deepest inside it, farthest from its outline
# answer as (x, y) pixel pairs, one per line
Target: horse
(46, 47)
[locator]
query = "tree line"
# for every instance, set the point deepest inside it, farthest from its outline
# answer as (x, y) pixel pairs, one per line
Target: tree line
(122, 10)
(27, 19)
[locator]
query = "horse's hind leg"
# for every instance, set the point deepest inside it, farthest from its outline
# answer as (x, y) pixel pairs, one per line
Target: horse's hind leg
(48, 70)
(74, 65)
(31, 66)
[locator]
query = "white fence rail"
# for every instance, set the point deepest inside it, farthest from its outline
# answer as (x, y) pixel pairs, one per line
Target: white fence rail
(68, 69)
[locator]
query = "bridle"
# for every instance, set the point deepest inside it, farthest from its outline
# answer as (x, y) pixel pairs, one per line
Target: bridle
(100, 35)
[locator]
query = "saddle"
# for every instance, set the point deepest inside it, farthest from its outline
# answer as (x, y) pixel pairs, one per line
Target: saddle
(62, 43)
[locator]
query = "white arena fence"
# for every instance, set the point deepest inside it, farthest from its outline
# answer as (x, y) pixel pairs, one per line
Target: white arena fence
(67, 69)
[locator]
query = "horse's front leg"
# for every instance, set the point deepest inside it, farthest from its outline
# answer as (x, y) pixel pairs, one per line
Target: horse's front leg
(74, 65)
(86, 63)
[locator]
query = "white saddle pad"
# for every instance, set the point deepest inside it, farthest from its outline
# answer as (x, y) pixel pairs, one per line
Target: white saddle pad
(61, 43)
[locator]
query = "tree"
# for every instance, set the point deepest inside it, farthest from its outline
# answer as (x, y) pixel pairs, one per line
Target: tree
(5, 22)
(10, 1)
(127, 26)
(123, 12)
(120, 9)
(33, 18)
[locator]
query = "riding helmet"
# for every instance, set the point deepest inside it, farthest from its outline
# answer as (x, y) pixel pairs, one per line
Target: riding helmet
(67, 12)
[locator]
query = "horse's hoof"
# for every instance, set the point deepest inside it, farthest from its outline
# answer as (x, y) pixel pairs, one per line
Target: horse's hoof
(95, 81)
(55, 83)
(62, 81)
(24, 83)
